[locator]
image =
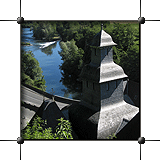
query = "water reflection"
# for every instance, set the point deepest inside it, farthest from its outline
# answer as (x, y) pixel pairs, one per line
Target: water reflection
(73, 86)
(49, 60)
(49, 50)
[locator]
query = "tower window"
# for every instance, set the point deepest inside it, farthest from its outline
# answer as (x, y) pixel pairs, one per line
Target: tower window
(93, 86)
(87, 84)
(95, 51)
(107, 51)
(107, 86)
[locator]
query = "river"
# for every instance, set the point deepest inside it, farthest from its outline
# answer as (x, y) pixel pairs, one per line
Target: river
(49, 60)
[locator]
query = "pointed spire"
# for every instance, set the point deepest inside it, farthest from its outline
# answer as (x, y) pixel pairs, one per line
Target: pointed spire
(102, 39)
(102, 26)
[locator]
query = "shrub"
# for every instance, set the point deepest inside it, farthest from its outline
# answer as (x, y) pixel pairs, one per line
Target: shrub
(63, 130)
(37, 130)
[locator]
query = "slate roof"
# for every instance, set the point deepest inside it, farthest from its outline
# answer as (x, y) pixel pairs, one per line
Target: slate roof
(104, 73)
(112, 117)
(131, 130)
(102, 39)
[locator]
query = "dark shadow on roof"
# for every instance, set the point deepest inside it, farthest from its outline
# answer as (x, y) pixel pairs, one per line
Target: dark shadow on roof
(131, 130)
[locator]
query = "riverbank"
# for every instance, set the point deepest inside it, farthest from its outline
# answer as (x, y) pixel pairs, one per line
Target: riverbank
(26, 44)
(49, 60)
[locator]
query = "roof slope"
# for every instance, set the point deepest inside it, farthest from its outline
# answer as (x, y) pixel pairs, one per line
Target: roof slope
(104, 73)
(102, 39)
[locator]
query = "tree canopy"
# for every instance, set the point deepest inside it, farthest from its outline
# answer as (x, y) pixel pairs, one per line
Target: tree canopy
(31, 73)
(126, 53)
(81, 33)
(72, 58)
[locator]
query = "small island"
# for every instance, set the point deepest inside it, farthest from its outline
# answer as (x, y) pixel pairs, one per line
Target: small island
(26, 44)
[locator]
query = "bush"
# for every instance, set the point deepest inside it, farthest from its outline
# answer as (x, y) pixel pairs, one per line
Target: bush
(38, 130)
(63, 130)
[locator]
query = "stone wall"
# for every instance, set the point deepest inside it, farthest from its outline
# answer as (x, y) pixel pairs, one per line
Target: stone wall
(95, 56)
(106, 55)
(111, 92)
(91, 93)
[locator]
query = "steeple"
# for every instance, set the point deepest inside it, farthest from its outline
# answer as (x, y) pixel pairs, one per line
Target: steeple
(102, 109)
(102, 67)
(102, 39)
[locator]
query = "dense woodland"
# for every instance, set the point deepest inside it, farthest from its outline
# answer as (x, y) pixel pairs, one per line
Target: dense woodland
(76, 37)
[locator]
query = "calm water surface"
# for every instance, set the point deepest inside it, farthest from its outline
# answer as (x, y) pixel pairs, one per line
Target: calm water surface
(49, 60)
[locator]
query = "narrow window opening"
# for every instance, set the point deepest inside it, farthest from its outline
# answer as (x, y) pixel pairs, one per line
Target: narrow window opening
(107, 86)
(87, 83)
(93, 86)
(95, 51)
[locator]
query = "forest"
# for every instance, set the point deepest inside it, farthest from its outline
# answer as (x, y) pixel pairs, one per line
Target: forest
(76, 37)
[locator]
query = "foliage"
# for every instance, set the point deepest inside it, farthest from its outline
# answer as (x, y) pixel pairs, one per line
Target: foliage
(72, 58)
(123, 36)
(38, 130)
(111, 136)
(126, 35)
(25, 43)
(126, 53)
(31, 73)
(63, 130)
(45, 30)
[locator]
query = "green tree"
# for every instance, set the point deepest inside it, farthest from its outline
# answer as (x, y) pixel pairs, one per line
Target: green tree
(44, 30)
(72, 58)
(31, 73)
(126, 53)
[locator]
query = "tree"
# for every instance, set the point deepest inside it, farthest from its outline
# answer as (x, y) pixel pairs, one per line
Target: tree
(72, 58)
(123, 35)
(45, 30)
(126, 53)
(31, 73)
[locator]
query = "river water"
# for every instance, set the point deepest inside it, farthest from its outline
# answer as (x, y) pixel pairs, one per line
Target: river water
(49, 60)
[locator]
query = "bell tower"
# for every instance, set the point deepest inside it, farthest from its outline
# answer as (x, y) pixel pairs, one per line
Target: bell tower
(102, 79)
(102, 109)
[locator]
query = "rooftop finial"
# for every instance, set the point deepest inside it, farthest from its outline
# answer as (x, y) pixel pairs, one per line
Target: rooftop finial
(102, 26)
